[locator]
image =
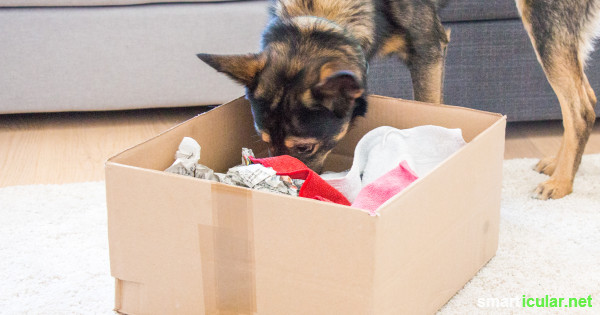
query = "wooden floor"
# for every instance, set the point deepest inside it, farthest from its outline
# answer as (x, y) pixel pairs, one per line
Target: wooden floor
(60, 148)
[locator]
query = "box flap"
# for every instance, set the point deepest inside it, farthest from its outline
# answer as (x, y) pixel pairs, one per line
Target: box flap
(221, 133)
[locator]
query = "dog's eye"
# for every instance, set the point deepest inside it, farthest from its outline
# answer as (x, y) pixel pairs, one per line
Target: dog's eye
(304, 148)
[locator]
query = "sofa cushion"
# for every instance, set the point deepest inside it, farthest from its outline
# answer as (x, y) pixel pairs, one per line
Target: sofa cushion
(470, 10)
(124, 57)
(78, 3)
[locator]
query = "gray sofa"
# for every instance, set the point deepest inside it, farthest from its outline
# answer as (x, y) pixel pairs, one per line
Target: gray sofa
(79, 55)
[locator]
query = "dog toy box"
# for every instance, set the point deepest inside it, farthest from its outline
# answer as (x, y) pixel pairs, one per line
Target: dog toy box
(183, 245)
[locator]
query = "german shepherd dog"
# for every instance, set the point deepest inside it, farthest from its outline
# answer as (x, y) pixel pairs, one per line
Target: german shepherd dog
(308, 82)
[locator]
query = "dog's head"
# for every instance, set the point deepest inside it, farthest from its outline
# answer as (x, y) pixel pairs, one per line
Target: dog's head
(305, 87)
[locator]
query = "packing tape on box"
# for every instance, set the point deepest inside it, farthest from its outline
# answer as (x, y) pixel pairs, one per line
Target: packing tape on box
(227, 253)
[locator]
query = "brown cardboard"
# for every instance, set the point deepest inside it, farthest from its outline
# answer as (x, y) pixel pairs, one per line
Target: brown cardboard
(180, 245)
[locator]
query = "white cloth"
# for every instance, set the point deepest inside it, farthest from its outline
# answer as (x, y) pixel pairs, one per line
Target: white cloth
(383, 148)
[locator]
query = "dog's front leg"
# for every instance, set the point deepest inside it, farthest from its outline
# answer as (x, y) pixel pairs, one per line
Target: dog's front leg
(570, 84)
(427, 66)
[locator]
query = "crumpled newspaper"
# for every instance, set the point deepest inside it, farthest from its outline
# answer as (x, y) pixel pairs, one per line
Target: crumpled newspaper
(186, 161)
(258, 177)
(254, 176)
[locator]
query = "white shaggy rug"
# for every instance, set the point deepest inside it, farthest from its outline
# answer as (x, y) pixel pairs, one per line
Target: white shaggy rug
(54, 251)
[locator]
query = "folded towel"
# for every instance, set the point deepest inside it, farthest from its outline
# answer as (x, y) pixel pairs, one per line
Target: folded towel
(314, 186)
(383, 148)
(385, 187)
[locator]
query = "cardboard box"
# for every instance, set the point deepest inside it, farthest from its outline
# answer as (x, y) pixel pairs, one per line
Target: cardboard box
(180, 245)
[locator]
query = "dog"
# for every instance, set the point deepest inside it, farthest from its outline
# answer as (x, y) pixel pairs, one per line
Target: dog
(308, 82)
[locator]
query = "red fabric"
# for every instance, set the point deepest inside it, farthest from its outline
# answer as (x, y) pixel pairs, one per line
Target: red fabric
(314, 186)
(385, 187)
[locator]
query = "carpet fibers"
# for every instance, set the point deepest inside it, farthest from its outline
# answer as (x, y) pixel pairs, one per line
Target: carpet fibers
(54, 251)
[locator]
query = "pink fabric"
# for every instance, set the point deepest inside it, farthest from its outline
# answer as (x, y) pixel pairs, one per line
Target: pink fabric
(385, 187)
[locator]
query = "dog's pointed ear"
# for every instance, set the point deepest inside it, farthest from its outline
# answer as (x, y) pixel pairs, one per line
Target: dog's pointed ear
(339, 86)
(241, 68)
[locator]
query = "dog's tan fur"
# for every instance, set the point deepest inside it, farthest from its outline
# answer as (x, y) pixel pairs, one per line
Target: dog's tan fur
(395, 46)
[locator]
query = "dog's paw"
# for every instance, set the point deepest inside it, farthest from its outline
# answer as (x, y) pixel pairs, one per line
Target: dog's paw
(546, 165)
(553, 189)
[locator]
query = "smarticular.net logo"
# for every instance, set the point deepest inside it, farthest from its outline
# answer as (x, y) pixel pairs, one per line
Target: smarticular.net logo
(533, 302)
